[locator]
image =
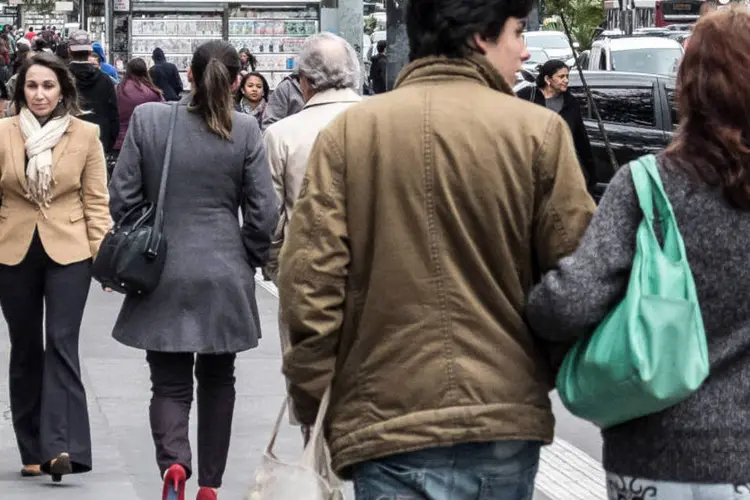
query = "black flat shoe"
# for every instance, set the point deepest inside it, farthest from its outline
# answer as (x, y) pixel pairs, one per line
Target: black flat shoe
(60, 467)
(36, 472)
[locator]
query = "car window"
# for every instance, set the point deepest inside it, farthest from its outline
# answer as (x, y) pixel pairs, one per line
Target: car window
(673, 108)
(603, 60)
(537, 56)
(651, 61)
(583, 101)
(626, 106)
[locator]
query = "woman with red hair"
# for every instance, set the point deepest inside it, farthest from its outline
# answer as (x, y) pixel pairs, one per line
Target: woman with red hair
(698, 449)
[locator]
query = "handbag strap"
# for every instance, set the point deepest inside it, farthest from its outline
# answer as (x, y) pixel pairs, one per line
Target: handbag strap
(653, 200)
(317, 430)
(310, 455)
(159, 220)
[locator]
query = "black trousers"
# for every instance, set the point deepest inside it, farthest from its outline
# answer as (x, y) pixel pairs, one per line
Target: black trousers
(172, 396)
(47, 398)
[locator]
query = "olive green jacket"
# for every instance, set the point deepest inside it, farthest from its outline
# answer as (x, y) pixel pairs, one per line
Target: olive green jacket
(425, 216)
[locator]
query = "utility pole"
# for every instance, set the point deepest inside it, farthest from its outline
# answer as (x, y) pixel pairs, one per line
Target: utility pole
(398, 42)
(352, 24)
(626, 17)
(533, 21)
(345, 18)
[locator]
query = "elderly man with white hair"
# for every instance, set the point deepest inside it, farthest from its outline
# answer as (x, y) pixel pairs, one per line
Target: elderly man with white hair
(329, 73)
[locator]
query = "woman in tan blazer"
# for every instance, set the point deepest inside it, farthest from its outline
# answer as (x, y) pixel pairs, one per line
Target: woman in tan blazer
(53, 217)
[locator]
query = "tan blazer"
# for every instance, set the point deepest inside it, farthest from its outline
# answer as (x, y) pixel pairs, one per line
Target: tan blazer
(73, 227)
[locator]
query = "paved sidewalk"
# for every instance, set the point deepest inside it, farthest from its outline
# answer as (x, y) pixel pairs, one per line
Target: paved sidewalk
(117, 383)
(116, 379)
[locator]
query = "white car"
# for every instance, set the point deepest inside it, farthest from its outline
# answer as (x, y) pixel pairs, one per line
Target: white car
(537, 58)
(554, 43)
(651, 55)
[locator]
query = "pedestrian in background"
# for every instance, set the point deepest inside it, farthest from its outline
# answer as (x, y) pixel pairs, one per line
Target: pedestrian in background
(54, 216)
(379, 68)
(95, 89)
(248, 62)
(252, 96)
(329, 74)
(691, 450)
(165, 75)
(21, 55)
(286, 100)
(203, 311)
(135, 89)
(551, 92)
(424, 217)
(103, 64)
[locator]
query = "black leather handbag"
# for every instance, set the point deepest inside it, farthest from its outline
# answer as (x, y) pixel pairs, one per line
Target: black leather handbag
(132, 256)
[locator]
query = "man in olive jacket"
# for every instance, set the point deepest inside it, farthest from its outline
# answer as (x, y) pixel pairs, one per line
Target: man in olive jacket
(426, 215)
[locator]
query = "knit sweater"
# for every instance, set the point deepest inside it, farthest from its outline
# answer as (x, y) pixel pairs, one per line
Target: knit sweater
(706, 438)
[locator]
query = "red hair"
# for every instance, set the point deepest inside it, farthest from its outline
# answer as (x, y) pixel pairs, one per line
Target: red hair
(713, 139)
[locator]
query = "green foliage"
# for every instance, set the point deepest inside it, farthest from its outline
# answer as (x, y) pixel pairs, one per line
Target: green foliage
(552, 24)
(582, 16)
(371, 25)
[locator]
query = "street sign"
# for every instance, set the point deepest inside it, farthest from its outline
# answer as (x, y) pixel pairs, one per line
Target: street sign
(10, 11)
(63, 6)
(122, 5)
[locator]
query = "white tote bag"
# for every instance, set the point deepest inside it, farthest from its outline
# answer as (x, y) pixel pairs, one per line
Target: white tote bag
(310, 479)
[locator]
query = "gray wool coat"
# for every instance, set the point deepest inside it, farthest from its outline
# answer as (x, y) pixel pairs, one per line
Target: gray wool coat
(205, 301)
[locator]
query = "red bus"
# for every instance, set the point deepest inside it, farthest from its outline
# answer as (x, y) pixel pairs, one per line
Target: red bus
(658, 13)
(677, 12)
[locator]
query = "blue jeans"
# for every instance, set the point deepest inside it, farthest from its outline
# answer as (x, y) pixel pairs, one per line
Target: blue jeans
(500, 470)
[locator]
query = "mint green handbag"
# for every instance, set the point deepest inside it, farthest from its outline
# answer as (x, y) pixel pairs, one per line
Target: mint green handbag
(650, 351)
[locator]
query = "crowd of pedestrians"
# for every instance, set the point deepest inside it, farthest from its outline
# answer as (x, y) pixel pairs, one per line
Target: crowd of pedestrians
(434, 247)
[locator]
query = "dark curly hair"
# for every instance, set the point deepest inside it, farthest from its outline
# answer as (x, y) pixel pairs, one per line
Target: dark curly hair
(713, 139)
(445, 27)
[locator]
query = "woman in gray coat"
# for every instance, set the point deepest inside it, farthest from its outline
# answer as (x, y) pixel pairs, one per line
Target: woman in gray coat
(204, 311)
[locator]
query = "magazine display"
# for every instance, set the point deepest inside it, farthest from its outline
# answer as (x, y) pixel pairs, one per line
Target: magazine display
(178, 37)
(274, 37)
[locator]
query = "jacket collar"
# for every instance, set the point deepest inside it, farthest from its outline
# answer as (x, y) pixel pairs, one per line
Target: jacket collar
(333, 96)
(435, 69)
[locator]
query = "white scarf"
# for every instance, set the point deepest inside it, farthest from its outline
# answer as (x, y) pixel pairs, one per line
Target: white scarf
(39, 144)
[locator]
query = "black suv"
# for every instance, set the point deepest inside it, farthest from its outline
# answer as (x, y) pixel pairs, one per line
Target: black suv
(637, 110)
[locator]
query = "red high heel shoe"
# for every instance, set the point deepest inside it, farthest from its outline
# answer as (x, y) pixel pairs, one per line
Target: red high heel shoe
(174, 483)
(206, 494)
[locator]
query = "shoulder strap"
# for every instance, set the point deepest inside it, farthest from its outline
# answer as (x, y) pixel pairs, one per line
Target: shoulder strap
(159, 220)
(655, 204)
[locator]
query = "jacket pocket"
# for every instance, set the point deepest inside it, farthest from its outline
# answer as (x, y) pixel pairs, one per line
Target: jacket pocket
(76, 215)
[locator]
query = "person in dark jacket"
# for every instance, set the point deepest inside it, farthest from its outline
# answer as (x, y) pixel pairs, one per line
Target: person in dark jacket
(96, 90)
(285, 101)
(378, 69)
(551, 91)
(166, 76)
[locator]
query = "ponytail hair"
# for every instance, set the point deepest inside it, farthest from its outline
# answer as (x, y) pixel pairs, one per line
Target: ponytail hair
(215, 68)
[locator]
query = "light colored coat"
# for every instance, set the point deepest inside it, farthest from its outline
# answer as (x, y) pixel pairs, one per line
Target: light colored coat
(74, 225)
(288, 145)
(425, 217)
